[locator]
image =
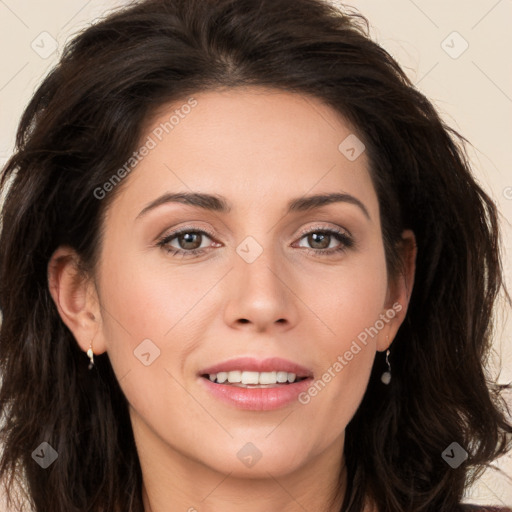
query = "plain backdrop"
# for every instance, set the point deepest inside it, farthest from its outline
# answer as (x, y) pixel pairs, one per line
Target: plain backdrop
(457, 52)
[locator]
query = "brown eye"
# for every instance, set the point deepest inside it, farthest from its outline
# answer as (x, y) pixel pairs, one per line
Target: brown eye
(187, 242)
(319, 240)
(190, 240)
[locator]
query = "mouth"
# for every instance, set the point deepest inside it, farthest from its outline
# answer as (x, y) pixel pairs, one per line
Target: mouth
(252, 384)
(252, 379)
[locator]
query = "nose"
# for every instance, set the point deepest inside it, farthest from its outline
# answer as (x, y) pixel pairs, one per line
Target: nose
(260, 295)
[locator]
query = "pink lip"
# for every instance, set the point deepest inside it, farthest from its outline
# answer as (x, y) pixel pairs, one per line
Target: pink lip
(257, 399)
(273, 364)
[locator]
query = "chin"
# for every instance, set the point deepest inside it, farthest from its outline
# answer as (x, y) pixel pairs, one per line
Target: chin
(250, 460)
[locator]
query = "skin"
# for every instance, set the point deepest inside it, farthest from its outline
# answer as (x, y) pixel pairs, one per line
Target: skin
(257, 148)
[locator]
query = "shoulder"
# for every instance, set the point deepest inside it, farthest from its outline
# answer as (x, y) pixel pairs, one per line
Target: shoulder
(481, 508)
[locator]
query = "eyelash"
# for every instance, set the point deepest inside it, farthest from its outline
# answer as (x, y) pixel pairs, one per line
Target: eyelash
(346, 242)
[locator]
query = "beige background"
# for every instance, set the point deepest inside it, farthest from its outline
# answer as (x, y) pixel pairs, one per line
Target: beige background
(457, 52)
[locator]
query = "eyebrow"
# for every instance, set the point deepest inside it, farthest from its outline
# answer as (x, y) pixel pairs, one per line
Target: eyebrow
(219, 204)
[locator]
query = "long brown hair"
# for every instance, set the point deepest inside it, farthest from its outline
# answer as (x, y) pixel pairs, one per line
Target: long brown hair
(84, 122)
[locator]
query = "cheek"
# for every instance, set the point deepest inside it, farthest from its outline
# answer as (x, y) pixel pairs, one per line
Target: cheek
(165, 304)
(147, 311)
(348, 299)
(148, 301)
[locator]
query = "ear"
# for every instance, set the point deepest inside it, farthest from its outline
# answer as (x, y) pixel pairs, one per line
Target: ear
(399, 291)
(76, 298)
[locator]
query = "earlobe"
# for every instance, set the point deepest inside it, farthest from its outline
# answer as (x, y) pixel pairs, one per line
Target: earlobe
(76, 299)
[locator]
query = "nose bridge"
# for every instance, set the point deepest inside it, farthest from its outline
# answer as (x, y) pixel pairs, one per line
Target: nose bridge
(259, 292)
(258, 264)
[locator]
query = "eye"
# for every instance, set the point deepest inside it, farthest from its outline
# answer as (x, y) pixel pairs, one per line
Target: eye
(327, 241)
(185, 242)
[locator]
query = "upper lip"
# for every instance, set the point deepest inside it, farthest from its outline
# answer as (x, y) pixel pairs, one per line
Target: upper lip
(272, 364)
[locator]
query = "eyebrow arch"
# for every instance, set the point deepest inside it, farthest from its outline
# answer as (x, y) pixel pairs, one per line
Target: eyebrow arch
(219, 204)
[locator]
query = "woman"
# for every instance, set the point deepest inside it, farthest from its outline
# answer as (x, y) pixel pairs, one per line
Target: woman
(244, 266)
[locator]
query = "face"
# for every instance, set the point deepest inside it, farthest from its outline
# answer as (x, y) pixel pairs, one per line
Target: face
(257, 278)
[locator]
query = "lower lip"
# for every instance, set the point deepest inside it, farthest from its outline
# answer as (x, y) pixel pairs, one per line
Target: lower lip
(257, 399)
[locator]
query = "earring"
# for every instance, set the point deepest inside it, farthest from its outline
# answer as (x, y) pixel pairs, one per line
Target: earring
(90, 354)
(386, 376)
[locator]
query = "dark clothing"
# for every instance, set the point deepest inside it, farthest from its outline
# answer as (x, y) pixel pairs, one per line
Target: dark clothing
(480, 508)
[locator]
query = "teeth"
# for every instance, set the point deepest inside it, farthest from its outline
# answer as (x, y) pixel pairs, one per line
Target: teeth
(234, 377)
(222, 377)
(268, 378)
(250, 378)
(282, 377)
(246, 377)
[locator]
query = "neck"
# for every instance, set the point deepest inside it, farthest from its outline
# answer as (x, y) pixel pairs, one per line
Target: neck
(272, 496)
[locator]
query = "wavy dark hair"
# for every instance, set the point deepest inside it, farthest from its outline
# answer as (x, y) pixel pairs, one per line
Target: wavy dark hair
(84, 122)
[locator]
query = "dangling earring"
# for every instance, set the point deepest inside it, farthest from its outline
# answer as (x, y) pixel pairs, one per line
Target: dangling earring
(386, 376)
(90, 354)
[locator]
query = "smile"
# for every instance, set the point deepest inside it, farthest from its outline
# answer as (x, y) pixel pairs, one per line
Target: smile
(243, 378)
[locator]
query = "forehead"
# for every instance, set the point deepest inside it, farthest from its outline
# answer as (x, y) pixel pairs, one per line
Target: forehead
(254, 145)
